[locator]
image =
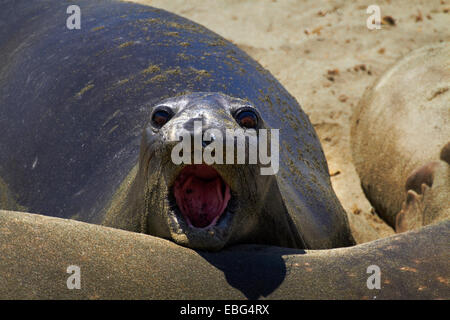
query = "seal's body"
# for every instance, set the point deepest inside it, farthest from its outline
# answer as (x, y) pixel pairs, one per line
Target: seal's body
(401, 139)
(74, 104)
(116, 264)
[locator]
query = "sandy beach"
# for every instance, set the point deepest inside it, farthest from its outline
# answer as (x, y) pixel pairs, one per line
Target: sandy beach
(324, 54)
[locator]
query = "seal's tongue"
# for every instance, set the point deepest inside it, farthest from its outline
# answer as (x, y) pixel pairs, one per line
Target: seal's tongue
(201, 194)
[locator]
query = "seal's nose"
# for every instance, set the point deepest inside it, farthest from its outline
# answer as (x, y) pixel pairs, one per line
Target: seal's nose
(198, 126)
(189, 124)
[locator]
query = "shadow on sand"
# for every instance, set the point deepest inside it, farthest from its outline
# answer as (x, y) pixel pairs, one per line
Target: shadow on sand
(255, 270)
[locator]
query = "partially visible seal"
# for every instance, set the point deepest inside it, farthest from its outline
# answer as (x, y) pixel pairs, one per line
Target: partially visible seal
(400, 140)
(115, 264)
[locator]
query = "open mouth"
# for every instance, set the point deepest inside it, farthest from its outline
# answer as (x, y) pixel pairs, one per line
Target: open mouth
(201, 195)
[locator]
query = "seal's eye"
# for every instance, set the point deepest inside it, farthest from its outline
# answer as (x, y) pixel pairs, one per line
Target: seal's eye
(247, 119)
(160, 118)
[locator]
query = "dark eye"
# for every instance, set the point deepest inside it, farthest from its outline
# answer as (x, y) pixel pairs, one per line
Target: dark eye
(160, 118)
(247, 119)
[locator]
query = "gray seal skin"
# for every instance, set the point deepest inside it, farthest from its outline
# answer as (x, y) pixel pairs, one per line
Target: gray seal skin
(115, 264)
(74, 104)
(401, 139)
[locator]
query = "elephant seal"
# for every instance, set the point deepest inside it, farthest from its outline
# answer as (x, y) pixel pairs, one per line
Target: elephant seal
(241, 204)
(76, 101)
(37, 250)
(400, 139)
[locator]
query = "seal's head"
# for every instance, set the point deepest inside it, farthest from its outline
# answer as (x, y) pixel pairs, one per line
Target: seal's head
(197, 187)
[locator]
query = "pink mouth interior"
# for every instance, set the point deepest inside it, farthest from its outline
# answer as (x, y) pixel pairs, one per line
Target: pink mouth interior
(201, 195)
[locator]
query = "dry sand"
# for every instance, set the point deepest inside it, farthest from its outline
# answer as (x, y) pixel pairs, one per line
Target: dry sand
(325, 56)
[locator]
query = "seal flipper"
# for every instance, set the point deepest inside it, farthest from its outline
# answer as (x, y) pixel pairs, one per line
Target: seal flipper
(427, 194)
(410, 217)
(420, 176)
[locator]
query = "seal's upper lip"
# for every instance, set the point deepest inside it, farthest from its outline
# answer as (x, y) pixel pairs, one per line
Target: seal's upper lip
(201, 195)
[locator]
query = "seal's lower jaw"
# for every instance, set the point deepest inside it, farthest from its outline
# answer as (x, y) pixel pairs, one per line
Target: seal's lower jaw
(201, 212)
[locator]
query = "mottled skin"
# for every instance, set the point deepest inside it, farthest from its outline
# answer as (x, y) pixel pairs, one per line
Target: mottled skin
(400, 140)
(115, 264)
(75, 103)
